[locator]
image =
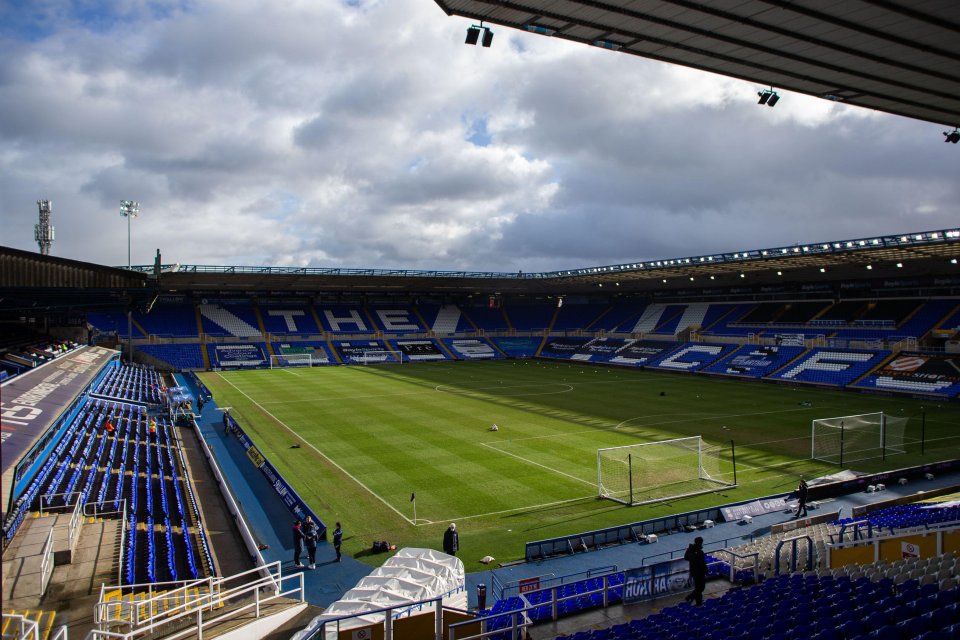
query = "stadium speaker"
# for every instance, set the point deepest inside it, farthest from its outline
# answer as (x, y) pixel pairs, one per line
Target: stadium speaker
(764, 96)
(774, 99)
(473, 34)
(487, 37)
(952, 136)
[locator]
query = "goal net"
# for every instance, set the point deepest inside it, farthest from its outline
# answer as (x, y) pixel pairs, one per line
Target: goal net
(860, 437)
(291, 360)
(655, 471)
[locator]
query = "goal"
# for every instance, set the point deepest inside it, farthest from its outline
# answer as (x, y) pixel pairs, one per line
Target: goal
(860, 437)
(291, 360)
(656, 471)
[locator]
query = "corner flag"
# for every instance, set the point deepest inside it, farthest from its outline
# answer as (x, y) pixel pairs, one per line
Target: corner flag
(413, 497)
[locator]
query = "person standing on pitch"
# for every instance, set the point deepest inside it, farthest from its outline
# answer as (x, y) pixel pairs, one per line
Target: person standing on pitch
(451, 540)
(297, 544)
(337, 540)
(698, 569)
(801, 498)
(310, 535)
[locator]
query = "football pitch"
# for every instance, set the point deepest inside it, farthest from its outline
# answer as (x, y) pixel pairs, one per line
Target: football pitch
(373, 437)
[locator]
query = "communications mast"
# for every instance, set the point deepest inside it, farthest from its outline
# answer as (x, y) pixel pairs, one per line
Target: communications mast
(43, 230)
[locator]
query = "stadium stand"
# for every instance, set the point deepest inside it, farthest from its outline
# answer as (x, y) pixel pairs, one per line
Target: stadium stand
(237, 355)
(486, 318)
(516, 347)
(531, 317)
(112, 322)
(573, 317)
(444, 319)
(169, 320)
(831, 366)
(693, 357)
(317, 350)
(179, 356)
(921, 374)
(396, 320)
(754, 361)
(292, 320)
(345, 319)
(471, 348)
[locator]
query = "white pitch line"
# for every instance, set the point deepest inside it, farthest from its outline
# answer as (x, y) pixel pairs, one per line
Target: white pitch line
(533, 506)
(472, 392)
(320, 453)
(537, 464)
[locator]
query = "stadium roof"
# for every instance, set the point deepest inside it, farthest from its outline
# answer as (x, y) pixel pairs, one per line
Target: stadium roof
(901, 57)
(57, 284)
(920, 253)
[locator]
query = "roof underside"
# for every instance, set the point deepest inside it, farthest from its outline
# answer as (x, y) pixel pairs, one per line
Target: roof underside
(900, 57)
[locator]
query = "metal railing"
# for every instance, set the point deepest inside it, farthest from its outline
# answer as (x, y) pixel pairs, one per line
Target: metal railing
(26, 629)
(46, 563)
(129, 620)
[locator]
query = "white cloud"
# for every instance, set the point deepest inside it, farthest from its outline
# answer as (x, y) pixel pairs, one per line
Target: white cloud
(366, 134)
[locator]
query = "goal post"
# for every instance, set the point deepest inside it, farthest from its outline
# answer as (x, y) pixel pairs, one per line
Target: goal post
(656, 471)
(279, 361)
(858, 437)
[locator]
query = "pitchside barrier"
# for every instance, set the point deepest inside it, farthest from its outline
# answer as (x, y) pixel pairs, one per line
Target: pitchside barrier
(890, 548)
(290, 498)
(636, 532)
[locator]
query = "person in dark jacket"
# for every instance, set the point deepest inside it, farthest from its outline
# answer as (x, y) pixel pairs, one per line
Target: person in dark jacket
(337, 540)
(297, 543)
(451, 540)
(801, 498)
(698, 569)
(310, 535)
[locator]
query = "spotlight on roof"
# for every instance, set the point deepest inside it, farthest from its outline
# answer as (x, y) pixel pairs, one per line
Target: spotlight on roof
(608, 44)
(540, 29)
(952, 136)
(768, 97)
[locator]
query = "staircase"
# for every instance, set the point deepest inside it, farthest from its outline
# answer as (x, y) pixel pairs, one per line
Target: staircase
(693, 316)
(229, 321)
(649, 320)
(447, 320)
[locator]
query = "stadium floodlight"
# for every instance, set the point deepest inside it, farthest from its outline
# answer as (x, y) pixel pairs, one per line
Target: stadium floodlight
(129, 209)
(768, 97)
(952, 136)
(473, 34)
(487, 37)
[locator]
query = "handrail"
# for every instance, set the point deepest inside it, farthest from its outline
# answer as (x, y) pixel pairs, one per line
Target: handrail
(145, 615)
(29, 629)
(46, 563)
(793, 553)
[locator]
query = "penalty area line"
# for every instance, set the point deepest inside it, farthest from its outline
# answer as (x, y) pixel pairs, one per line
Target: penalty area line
(537, 464)
(320, 453)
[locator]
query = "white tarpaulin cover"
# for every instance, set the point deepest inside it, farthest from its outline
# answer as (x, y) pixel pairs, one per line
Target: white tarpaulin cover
(410, 576)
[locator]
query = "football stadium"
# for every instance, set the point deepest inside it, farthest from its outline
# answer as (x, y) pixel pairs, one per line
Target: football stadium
(759, 444)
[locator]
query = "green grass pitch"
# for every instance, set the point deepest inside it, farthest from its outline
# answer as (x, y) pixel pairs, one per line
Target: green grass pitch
(370, 436)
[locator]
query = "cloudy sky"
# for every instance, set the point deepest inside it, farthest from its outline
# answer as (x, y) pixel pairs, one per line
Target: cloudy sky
(364, 133)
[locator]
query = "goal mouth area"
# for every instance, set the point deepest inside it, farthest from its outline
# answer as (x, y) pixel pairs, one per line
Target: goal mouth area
(663, 470)
(678, 490)
(856, 438)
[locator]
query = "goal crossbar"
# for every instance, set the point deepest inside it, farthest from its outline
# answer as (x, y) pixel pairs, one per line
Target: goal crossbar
(663, 470)
(864, 436)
